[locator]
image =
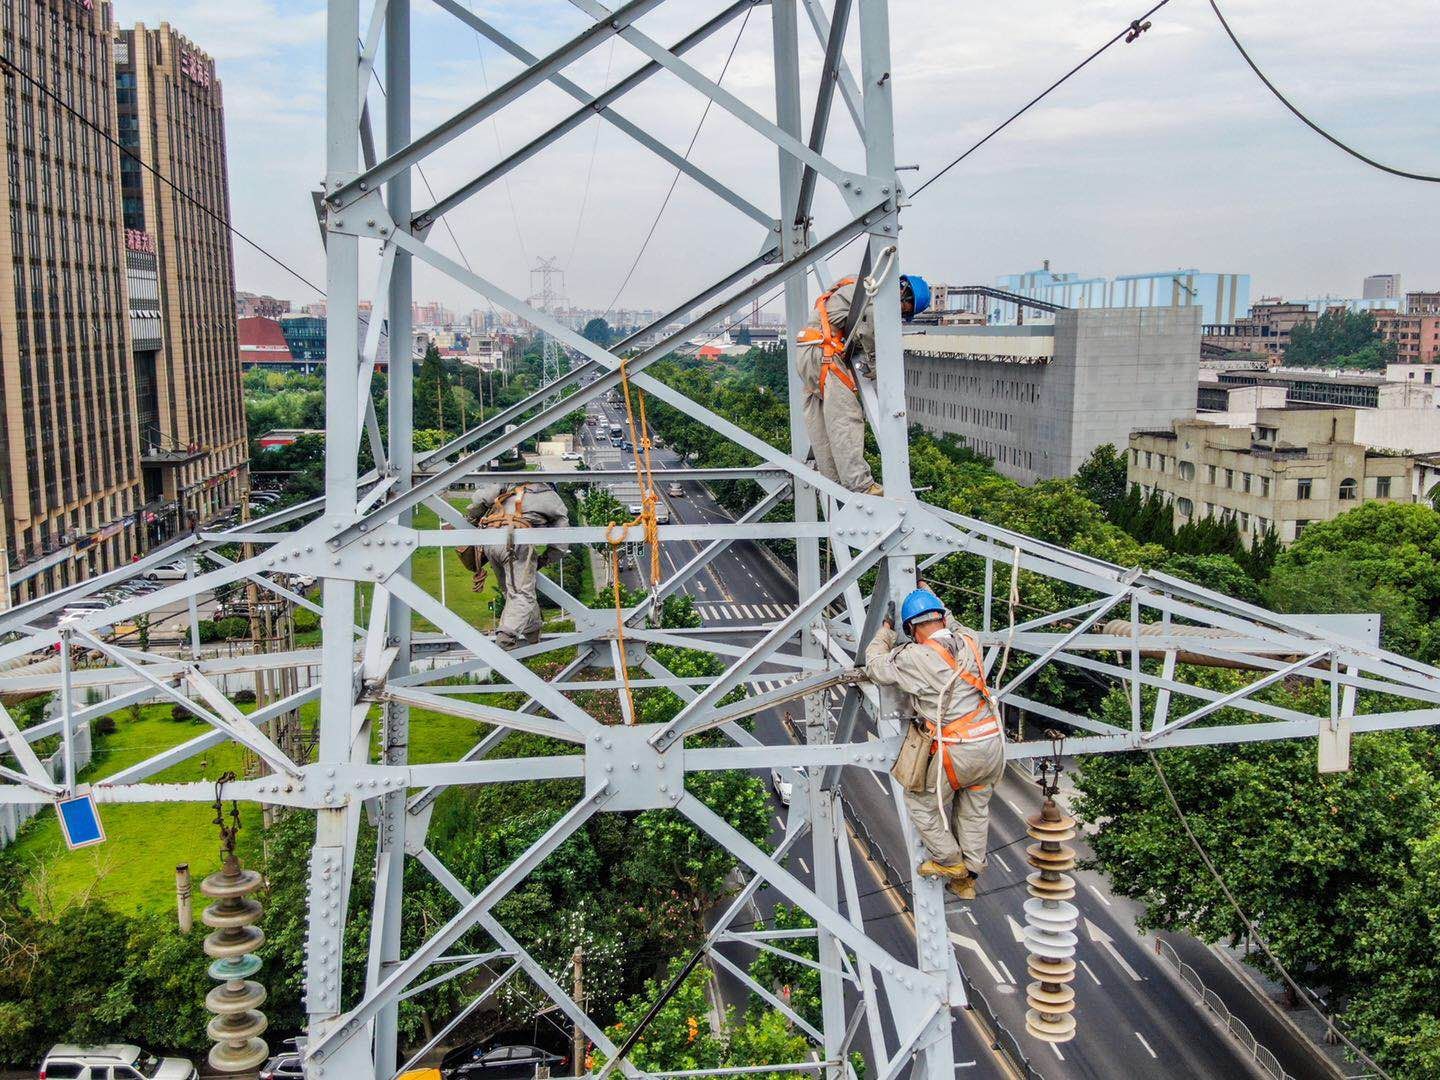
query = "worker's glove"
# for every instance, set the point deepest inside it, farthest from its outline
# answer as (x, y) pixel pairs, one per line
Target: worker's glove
(477, 583)
(864, 368)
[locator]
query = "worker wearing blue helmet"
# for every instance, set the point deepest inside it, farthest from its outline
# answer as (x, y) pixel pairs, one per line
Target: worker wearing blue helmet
(829, 358)
(941, 672)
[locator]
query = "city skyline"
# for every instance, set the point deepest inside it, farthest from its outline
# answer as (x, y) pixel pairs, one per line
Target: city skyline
(1119, 172)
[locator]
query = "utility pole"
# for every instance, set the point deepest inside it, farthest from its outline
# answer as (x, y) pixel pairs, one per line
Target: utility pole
(577, 1048)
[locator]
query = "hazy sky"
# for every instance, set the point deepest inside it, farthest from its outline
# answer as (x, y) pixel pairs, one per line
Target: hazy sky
(1163, 154)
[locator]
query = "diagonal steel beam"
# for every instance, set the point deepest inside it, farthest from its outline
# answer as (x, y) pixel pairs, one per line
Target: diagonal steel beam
(484, 714)
(693, 714)
(1235, 696)
(820, 119)
(598, 105)
(353, 1024)
(512, 90)
(848, 89)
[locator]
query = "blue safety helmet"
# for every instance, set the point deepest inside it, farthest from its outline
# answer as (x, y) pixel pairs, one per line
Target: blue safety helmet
(919, 602)
(919, 290)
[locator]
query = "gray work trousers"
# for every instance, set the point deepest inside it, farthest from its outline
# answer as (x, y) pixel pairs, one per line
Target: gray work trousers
(978, 767)
(516, 569)
(835, 423)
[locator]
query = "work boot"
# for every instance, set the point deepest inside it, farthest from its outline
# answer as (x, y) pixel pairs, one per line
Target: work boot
(533, 638)
(875, 489)
(963, 887)
(931, 868)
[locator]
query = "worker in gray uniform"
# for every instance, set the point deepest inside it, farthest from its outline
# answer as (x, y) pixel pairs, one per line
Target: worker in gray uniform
(942, 673)
(517, 566)
(834, 419)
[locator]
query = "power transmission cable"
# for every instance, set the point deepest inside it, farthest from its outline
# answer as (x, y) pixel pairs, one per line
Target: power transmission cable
(10, 66)
(590, 172)
(1311, 124)
(1131, 32)
(495, 129)
(674, 180)
(1250, 928)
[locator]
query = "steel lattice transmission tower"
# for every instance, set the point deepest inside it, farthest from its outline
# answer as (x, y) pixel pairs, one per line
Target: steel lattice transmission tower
(547, 294)
(361, 532)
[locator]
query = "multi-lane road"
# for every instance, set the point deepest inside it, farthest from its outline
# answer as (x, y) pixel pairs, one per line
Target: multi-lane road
(1135, 1018)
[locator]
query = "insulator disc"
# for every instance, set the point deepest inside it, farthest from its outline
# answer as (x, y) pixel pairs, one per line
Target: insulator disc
(237, 1027)
(1059, 946)
(1061, 1029)
(1064, 859)
(223, 1000)
(1052, 971)
(1051, 914)
(233, 942)
(245, 1057)
(1053, 1001)
(222, 885)
(1062, 888)
(1063, 829)
(232, 912)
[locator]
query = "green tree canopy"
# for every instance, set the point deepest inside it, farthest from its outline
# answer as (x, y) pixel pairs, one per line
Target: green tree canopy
(1339, 338)
(598, 331)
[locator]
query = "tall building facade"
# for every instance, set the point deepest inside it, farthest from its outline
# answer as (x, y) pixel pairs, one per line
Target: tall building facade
(70, 478)
(1382, 287)
(189, 401)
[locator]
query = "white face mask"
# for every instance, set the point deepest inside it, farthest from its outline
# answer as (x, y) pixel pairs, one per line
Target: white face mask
(944, 632)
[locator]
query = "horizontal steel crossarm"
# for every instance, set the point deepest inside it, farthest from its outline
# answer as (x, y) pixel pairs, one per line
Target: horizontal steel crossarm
(697, 712)
(484, 714)
(696, 639)
(826, 917)
(600, 534)
(456, 1020)
(756, 122)
(353, 1024)
(440, 481)
(878, 755)
(476, 112)
(592, 476)
(598, 105)
(422, 799)
(766, 995)
(236, 726)
(583, 684)
(752, 704)
(422, 603)
(745, 1070)
(1099, 608)
(705, 557)
(1235, 696)
(592, 367)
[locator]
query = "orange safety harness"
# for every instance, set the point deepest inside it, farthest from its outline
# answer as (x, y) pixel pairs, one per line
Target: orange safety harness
(971, 727)
(831, 341)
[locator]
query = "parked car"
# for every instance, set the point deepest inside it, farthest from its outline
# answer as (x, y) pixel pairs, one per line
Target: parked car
(112, 1061)
(174, 571)
(782, 786)
(498, 1062)
(88, 604)
(285, 1065)
(676, 489)
(569, 455)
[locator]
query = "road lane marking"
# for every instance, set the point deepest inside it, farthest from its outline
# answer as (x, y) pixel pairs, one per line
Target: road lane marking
(974, 946)
(1003, 863)
(1146, 1045)
(971, 916)
(1012, 806)
(1006, 970)
(804, 866)
(1089, 972)
(1058, 1054)
(878, 782)
(1016, 930)
(1098, 894)
(1106, 942)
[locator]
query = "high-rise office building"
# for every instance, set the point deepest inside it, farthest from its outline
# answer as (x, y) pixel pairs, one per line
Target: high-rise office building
(1382, 287)
(189, 401)
(70, 483)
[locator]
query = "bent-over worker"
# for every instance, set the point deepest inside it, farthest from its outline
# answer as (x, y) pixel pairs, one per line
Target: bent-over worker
(943, 674)
(523, 506)
(834, 419)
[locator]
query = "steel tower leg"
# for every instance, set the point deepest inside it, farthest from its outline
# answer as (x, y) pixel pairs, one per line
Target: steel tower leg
(395, 738)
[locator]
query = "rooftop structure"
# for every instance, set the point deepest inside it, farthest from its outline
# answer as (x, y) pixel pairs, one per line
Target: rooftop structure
(1382, 287)
(1220, 297)
(263, 344)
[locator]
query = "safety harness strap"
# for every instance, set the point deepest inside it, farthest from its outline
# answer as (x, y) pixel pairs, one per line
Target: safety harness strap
(831, 341)
(965, 728)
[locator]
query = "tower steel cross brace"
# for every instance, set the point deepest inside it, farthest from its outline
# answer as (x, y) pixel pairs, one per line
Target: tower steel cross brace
(360, 532)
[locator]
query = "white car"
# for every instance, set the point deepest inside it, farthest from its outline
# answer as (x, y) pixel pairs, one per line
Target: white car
(782, 786)
(569, 455)
(174, 571)
(112, 1061)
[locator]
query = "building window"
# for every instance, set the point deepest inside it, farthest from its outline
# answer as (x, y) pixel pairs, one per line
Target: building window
(1187, 470)
(1302, 488)
(1186, 507)
(1300, 526)
(1382, 487)
(1262, 525)
(1348, 489)
(1244, 521)
(1229, 478)
(1245, 479)
(1265, 486)
(1149, 462)
(1210, 473)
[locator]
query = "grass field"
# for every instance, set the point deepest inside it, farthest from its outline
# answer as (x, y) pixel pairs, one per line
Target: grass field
(134, 869)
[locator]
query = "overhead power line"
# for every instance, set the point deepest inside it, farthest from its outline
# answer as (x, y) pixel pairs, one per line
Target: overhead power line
(1311, 124)
(9, 66)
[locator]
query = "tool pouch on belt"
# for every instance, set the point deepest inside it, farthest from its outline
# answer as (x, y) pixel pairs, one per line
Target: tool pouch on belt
(912, 765)
(469, 557)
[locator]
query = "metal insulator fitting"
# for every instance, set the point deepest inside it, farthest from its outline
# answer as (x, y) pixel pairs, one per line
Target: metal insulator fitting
(238, 1022)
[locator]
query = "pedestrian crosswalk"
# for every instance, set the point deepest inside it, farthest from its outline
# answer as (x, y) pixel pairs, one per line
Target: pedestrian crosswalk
(752, 613)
